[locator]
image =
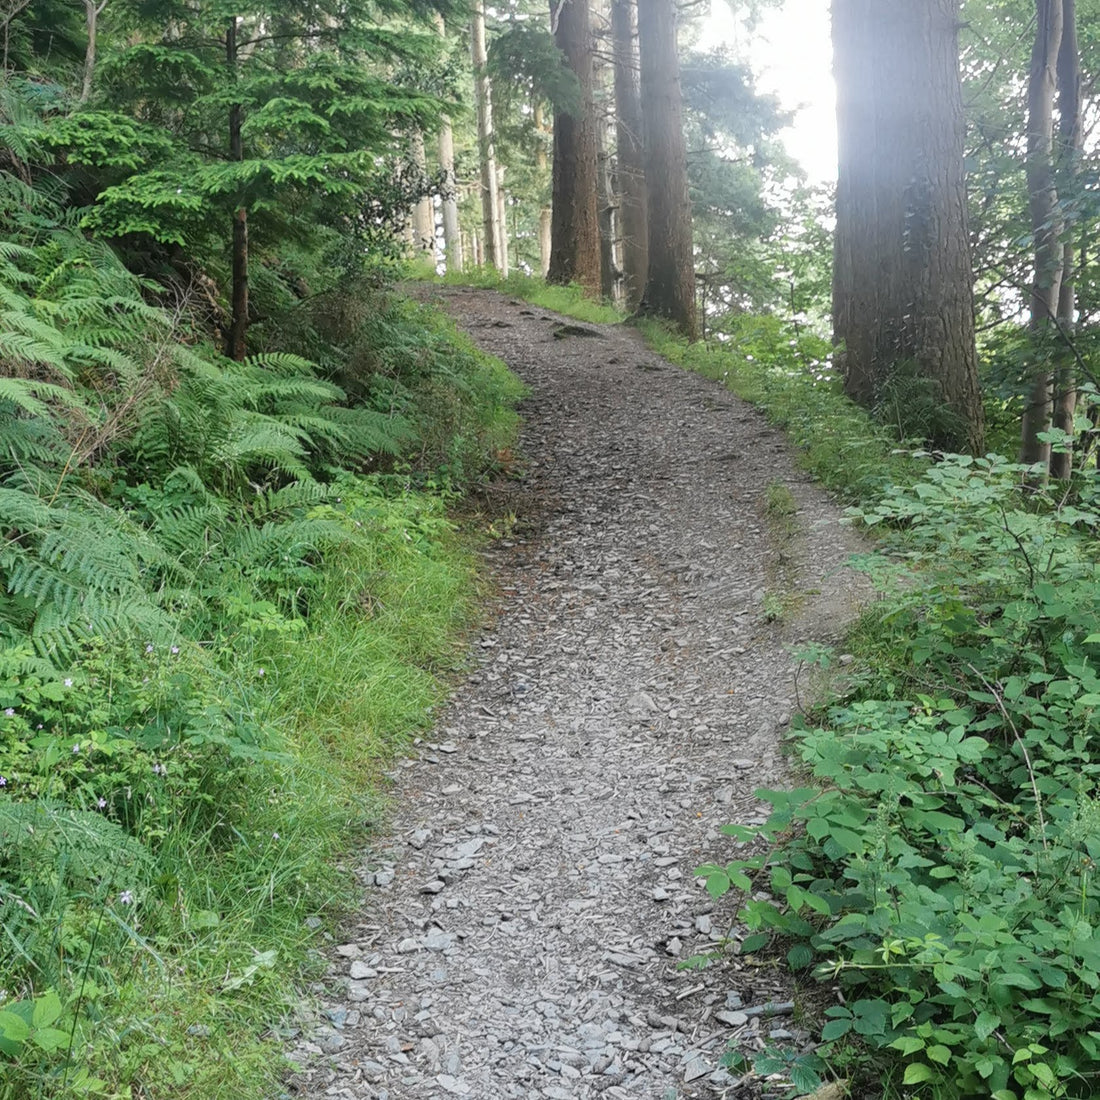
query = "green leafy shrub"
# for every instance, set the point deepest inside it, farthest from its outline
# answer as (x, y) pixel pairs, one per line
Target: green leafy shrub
(942, 867)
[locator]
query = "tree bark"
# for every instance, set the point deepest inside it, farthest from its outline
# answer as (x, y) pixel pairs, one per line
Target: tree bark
(630, 168)
(236, 337)
(423, 218)
(903, 309)
(574, 224)
(92, 12)
(502, 221)
(1046, 227)
(670, 282)
(1070, 141)
(545, 212)
(452, 235)
(490, 202)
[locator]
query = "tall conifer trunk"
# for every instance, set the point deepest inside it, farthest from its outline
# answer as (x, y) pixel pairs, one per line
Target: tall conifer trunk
(574, 229)
(630, 166)
(490, 202)
(423, 219)
(670, 283)
(1070, 139)
(1046, 226)
(903, 312)
(545, 212)
(235, 340)
(452, 235)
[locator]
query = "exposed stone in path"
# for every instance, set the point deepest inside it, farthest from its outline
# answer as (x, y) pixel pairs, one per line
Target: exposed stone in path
(525, 919)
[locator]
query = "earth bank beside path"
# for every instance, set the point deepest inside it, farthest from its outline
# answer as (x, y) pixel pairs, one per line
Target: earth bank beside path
(527, 912)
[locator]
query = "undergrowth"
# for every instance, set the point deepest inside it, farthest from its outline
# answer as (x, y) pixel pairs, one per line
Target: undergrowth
(231, 591)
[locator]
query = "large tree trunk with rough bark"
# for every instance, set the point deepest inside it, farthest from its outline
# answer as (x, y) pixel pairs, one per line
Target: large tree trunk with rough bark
(903, 310)
(630, 160)
(574, 225)
(236, 337)
(670, 282)
(490, 201)
(1046, 227)
(1070, 139)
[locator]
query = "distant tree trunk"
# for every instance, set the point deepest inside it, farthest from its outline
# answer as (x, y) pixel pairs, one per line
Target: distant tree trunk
(634, 230)
(423, 215)
(574, 229)
(448, 199)
(1070, 139)
(490, 202)
(903, 310)
(502, 221)
(236, 337)
(92, 12)
(670, 282)
(609, 269)
(545, 212)
(452, 235)
(1046, 226)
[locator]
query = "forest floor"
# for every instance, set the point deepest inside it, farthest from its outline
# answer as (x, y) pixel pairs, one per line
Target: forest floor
(527, 910)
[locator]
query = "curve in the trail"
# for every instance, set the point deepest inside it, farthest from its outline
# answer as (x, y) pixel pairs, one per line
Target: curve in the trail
(526, 917)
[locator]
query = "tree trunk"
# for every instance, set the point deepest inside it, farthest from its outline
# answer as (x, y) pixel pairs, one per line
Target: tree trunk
(452, 235)
(502, 221)
(423, 218)
(1046, 226)
(490, 202)
(574, 227)
(670, 282)
(605, 200)
(235, 340)
(545, 213)
(903, 308)
(1070, 139)
(92, 12)
(634, 230)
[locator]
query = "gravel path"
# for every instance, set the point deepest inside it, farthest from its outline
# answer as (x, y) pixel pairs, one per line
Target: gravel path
(527, 914)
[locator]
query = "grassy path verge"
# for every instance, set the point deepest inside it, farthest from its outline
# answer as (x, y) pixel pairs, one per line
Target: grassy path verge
(180, 779)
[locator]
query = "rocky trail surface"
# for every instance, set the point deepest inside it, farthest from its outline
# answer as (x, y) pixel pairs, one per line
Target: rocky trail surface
(526, 914)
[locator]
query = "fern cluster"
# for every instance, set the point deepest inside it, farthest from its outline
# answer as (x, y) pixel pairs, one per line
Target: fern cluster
(174, 527)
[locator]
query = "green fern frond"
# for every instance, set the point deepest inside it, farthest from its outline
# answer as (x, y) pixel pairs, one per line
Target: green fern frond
(291, 498)
(282, 363)
(30, 395)
(88, 846)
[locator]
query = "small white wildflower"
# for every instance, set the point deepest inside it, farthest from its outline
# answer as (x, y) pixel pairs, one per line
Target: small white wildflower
(69, 682)
(126, 898)
(76, 749)
(10, 711)
(149, 647)
(101, 803)
(274, 836)
(260, 672)
(174, 650)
